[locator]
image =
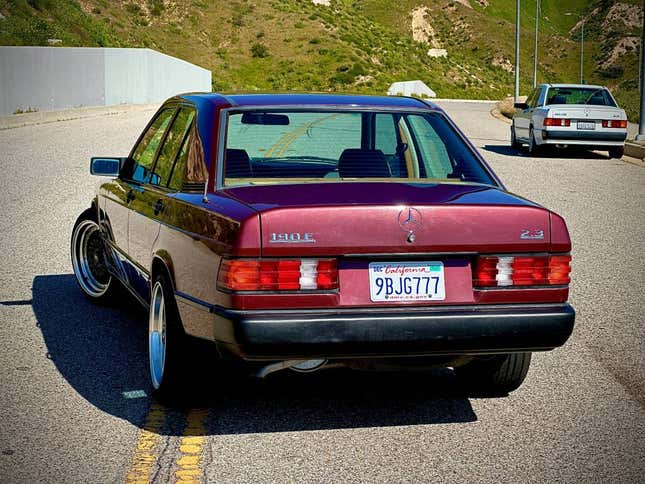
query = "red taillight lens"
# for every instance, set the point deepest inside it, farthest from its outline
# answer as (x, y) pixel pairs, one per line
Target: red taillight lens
(557, 122)
(278, 275)
(485, 272)
(614, 123)
(504, 271)
(327, 274)
(529, 271)
(559, 269)
(241, 274)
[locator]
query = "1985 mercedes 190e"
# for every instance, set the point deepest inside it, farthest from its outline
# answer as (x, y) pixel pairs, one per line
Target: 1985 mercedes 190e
(307, 231)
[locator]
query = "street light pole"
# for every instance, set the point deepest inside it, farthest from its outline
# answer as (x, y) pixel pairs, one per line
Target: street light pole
(582, 43)
(641, 125)
(517, 49)
(535, 48)
(582, 52)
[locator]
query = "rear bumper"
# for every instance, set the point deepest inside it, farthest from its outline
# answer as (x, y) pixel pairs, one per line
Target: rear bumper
(456, 330)
(590, 137)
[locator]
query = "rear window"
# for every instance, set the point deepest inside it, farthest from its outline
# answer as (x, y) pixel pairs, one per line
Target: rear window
(298, 146)
(580, 95)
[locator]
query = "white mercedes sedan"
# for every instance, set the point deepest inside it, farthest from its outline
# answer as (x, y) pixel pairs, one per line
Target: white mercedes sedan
(570, 114)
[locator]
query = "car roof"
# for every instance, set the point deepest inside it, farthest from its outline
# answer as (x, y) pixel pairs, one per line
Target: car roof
(591, 86)
(311, 99)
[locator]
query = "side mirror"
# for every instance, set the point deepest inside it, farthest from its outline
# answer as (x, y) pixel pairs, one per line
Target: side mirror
(105, 166)
(521, 106)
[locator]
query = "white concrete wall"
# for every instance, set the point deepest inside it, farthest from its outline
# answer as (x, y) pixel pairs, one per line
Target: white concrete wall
(47, 78)
(137, 76)
(52, 78)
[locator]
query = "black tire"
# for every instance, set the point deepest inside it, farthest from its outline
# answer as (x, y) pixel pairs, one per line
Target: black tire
(514, 143)
(617, 152)
(533, 148)
(498, 375)
(89, 260)
(167, 342)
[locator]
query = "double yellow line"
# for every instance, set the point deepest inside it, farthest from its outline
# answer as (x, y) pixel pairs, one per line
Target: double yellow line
(191, 447)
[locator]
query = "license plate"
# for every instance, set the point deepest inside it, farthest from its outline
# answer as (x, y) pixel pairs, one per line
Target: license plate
(407, 281)
(586, 125)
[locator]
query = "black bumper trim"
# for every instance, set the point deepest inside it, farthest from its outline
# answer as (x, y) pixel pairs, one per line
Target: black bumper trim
(453, 330)
(583, 135)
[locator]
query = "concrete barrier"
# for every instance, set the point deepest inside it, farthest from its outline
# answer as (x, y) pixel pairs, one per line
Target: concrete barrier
(56, 78)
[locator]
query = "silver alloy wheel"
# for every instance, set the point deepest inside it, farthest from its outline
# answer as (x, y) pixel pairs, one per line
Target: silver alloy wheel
(88, 259)
(157, 335)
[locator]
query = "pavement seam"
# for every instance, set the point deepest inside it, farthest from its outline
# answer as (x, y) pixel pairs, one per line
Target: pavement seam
(144, 457)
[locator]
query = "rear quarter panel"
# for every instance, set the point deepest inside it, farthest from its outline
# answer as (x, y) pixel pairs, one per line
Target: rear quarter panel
(193, 238)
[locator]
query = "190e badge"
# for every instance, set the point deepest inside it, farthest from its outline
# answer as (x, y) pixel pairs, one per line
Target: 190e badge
(292, 238)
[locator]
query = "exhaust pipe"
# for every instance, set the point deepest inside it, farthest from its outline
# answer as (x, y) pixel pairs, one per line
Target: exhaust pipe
(301, 366)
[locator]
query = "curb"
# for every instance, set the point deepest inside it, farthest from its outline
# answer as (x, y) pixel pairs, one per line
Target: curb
(635, 150)
(496, 113)
(43, 117)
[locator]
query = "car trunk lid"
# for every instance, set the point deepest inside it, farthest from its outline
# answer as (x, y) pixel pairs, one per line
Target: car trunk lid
(393, 218)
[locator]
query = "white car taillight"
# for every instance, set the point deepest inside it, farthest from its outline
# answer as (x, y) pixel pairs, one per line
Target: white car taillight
(502, 271)
(278, 274)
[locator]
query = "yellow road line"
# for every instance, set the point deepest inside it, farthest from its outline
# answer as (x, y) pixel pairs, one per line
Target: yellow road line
(302, 131)
(145, 457)
(191, 447)
(290, 136)
(283, 139)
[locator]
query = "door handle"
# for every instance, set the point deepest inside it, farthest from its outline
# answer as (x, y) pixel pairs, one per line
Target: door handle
(158, 207)
(130, 196)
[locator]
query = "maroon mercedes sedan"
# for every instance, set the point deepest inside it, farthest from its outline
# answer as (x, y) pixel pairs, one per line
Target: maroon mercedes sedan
(309, 231)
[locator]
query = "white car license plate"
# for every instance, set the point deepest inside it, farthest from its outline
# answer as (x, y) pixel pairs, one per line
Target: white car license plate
(582, 125)
(407, 281)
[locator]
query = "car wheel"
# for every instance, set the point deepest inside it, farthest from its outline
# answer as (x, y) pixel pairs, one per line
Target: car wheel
(617, 152)
(497, 375)
(514, 143)
(534, 148)
(166, 339)
(89, 260)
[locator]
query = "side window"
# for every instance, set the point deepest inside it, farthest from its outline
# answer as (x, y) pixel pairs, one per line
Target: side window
(436, 159)
(541, 97)
(144, 153)
(532, 100)
(189, 171)
(171, 146)
(385, 136)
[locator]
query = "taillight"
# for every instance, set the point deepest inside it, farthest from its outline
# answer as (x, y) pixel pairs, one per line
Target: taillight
(614, 123)
(278, 274)
(557, 122)
(501, 271)
(559, 269)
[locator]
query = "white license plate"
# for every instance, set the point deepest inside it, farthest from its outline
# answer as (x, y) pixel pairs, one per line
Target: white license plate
(407, 281)
(586, 125)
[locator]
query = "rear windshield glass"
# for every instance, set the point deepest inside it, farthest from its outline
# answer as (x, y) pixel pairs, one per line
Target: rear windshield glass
(335, 146)
(579, 95)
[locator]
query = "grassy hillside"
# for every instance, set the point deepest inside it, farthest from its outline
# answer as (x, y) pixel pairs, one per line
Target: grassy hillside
(351, 45)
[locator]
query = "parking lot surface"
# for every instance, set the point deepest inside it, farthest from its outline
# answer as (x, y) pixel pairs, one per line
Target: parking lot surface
(74, 399)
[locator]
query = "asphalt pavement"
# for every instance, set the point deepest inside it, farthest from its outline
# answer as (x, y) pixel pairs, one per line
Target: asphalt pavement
(74, 393)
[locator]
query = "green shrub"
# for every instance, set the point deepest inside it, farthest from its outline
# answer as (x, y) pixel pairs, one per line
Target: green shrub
(259, 50)
(156, 7)
(133, 8)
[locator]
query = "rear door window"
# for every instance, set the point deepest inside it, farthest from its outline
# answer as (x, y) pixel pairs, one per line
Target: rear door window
(171, 147)
(139, 166)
